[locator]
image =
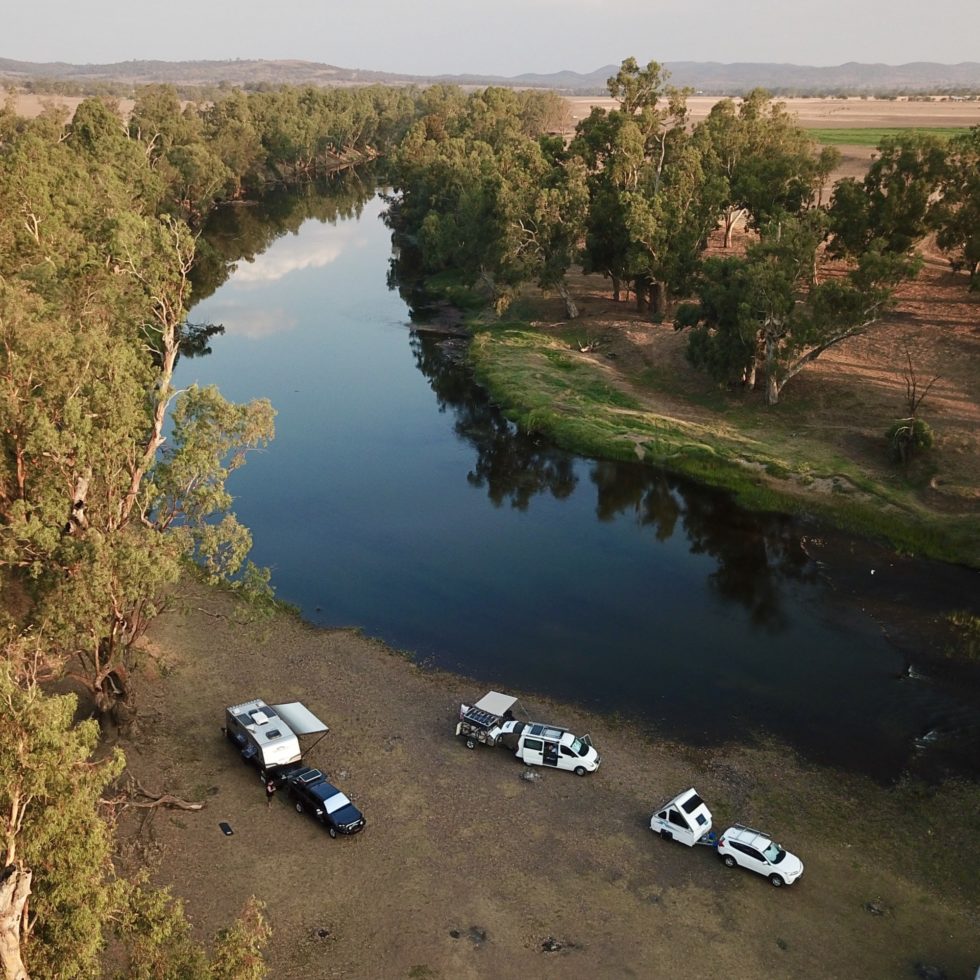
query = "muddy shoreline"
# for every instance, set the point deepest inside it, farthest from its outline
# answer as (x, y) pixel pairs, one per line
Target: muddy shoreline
(468, 870)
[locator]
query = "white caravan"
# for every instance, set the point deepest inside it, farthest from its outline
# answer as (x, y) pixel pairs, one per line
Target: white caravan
(268, 735)
(685, 819)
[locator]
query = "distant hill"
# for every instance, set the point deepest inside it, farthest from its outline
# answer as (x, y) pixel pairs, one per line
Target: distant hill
(712, 78)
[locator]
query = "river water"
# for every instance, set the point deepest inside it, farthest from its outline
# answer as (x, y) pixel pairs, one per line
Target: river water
(395, 498)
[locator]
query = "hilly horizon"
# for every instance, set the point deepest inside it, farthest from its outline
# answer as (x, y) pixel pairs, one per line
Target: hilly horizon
(710, 77)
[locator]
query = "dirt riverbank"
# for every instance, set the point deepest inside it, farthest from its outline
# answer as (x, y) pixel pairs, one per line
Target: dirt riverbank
(467, 870)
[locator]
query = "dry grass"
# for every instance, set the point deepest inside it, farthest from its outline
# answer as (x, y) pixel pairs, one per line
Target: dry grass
(465, 869)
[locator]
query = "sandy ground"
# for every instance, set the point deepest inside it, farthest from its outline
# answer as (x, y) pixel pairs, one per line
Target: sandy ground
(466, 870)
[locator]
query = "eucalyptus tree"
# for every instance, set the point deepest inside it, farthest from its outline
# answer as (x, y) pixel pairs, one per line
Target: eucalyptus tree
(61, 899)
(479, 199)
(766, 310)
(543, 200)
(769, 164)
(93, 298)
(956, 215)
(652, 204)
(889, 210)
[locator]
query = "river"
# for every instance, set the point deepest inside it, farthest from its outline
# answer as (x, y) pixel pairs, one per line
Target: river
(396, 499)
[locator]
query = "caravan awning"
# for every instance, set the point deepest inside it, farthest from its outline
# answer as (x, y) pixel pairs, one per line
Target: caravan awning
(299, 718)
(496, 703)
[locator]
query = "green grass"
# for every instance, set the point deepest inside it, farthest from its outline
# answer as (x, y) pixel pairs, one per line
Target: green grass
(873, 136)
(545, 387)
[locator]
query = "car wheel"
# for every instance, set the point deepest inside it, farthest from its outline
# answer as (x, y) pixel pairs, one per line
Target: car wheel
(332, 831)
(776, 881)
(730, 862)
(299, 807)
(470, 744)
(666, 835)
(579, 771)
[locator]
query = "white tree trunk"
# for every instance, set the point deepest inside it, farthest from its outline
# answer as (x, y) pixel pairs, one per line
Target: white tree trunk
(15, 889)
(571, 310)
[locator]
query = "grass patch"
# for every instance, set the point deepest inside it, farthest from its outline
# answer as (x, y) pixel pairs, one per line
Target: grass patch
(872, 136)
(545, 388)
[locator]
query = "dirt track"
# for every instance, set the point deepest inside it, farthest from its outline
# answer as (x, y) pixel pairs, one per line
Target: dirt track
(466, 870)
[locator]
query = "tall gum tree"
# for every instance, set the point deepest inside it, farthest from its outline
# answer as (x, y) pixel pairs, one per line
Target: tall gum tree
(651, 202)
(93, 298)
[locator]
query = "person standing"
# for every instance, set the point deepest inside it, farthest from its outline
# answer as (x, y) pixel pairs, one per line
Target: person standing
(270, 791)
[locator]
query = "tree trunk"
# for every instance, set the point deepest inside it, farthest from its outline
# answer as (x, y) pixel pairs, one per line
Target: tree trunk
(15, 889)
(642, 296)
(658, 299)
(772, 390)
(772, 382)
(616, 287)
(731, 219)
(571, 310)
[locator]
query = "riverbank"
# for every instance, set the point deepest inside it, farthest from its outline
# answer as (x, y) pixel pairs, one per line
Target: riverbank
(611, 384)
(467, 870)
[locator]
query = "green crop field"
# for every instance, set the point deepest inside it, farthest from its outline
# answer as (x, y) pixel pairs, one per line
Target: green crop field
(873, 136)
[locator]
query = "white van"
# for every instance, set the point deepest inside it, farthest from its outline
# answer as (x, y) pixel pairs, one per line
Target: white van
(491, 722)
(544, 745)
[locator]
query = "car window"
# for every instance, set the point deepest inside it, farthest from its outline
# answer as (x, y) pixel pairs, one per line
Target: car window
(774, 853)
(565, 750)
(675, 818)
(533, 743)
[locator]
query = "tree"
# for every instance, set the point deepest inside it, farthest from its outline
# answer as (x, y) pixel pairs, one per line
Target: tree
(651, 203)
(93, 298)
(543, 198)
(59, 893)
(888, 211)
(956, 215)
(57, 849)
(766, 308)
(768, 163)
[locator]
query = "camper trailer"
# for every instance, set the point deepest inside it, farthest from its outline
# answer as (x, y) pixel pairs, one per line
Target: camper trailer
(268, 735)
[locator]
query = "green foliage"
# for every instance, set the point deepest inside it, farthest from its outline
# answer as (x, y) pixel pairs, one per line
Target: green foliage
(652, 203)
(889, 210)
(765, 161)
(956, 215)
(907, 437)
(93, 294)
(156, 936)
(481, 197)
(766, 309)
(50, 786)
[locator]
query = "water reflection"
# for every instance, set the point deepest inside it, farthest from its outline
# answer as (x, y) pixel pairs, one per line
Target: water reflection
(755, 555)
(240, 233)
(397, 498)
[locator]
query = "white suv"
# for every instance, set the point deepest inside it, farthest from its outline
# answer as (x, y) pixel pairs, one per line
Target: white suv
(758, 852)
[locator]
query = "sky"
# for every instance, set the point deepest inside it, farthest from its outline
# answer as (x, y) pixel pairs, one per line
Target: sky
(498, 37)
